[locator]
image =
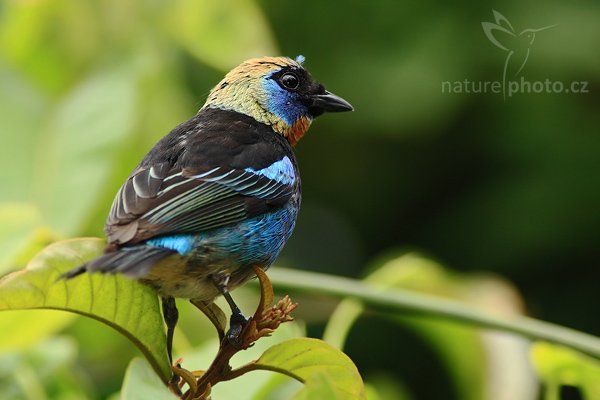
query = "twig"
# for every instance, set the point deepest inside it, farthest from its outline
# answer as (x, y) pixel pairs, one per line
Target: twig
(265, 321)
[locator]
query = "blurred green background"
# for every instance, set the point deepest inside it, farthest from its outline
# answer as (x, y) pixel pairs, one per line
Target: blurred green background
(476, 182)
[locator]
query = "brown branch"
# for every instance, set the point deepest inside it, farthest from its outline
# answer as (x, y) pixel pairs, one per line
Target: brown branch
(265, 321)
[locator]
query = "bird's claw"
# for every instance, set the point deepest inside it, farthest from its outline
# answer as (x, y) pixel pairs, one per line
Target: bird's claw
(236, 326)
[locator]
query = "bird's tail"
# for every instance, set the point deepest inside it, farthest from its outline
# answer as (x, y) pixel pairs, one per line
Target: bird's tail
(134, 262)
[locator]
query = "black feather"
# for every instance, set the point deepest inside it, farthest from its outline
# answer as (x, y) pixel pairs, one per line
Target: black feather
(195, 179)
(216, 137)
(132, 261)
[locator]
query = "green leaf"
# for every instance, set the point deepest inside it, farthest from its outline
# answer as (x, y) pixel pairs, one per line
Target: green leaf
(140, 383)
(558, 365)
(14, 337)
(326, 371)
(18, 222)
(22, 109)
(44, 371)
(77, 150)
(221, 33)
(124, 304)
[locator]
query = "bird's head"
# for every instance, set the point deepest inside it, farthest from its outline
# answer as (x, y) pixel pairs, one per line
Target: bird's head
(276, 91)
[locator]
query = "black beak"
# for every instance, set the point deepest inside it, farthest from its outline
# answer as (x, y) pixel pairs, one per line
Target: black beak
(329, 102)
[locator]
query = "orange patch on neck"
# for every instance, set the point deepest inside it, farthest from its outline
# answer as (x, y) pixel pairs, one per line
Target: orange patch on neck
(296, 131)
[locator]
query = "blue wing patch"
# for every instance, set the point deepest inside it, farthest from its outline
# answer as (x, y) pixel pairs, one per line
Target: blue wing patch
(281, 171)
(183, 244)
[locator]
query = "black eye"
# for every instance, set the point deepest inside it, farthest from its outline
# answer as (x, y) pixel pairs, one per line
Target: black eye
(290, 81)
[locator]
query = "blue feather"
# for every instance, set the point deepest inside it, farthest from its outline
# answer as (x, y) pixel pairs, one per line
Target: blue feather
(282, 103)
(266, 236)
(281, 171)
(183, 244)
(257, 240)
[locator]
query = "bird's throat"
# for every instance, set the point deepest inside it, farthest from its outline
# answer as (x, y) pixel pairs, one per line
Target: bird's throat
(295, 132)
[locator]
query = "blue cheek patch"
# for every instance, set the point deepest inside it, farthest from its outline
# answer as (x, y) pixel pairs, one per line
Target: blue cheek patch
(183, 244)
(282, 103)
(281, 171)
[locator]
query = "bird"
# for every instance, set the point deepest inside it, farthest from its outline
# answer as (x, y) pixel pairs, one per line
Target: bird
(219, 194)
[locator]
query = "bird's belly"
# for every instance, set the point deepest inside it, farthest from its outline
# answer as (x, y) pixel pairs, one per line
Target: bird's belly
(169, 281)
(231, 250)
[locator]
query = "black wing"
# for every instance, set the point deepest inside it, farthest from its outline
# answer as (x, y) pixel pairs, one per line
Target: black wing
(188, 201)
(203, 175)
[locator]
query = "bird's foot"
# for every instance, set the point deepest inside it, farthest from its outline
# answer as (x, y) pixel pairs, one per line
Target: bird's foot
(237, 323)
(173, 384)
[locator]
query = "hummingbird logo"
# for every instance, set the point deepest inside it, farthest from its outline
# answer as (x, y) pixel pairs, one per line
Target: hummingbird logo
(516, 45)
